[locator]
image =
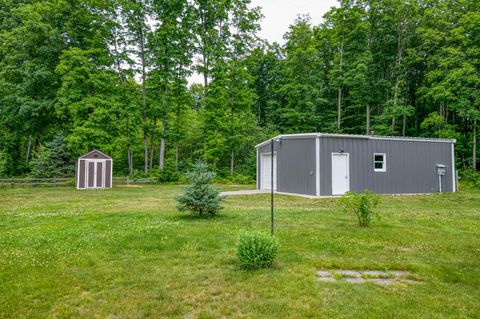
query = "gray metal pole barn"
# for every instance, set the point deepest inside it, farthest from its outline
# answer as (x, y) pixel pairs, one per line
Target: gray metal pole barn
(321, 164)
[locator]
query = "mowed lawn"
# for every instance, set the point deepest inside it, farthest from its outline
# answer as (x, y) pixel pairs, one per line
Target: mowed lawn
(127, 253)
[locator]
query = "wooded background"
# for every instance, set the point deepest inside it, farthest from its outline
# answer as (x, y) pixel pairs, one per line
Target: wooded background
(113, 75)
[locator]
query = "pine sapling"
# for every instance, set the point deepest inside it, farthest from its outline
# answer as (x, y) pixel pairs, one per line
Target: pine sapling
(200, 197)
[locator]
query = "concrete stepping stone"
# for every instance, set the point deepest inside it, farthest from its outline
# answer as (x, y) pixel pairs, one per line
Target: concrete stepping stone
(324, 273)
(326, 279)
(378, 277)
(350, 273)
(375, 273)
(399, 274)
(355, 280)
(382, 282)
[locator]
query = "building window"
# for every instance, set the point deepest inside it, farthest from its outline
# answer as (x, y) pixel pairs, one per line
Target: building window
(379, 162)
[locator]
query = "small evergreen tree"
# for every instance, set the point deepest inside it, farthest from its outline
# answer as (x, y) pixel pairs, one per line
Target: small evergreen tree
(53, 159)
(200, 197)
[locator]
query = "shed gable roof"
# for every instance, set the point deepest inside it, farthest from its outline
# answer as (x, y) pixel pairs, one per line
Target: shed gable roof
(96, 154)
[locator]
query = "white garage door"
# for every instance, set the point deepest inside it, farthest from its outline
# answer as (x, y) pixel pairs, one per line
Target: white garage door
(265, 166)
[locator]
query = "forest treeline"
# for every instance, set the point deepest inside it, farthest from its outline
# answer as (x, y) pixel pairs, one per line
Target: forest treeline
(113, 75)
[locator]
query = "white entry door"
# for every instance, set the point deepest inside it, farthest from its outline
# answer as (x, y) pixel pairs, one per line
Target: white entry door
(265, 167)
(340, 174)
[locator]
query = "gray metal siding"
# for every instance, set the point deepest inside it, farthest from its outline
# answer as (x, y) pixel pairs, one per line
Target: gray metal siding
(295, 165)
(411, 165)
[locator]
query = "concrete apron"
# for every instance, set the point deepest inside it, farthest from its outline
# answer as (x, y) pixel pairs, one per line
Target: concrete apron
(266, 191)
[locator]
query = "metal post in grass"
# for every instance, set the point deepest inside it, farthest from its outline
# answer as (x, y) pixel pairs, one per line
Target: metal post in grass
(271, 186)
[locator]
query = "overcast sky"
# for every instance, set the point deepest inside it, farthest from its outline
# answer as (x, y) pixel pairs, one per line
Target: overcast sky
(279, 14)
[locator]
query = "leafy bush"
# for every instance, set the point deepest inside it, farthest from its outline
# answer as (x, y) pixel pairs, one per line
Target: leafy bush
(169, 173)
(139, 173)
(166, 175)
(235, 179)
(256, 250)
(469, 178)
(200, 197)
(361, 204)
(5, 162)
(434, 125)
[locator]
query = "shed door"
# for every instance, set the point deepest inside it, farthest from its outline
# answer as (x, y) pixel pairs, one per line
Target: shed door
(99, 177)
(90, 174)
(266, 176)
(81, 175)
(340, 174)
(95, 174)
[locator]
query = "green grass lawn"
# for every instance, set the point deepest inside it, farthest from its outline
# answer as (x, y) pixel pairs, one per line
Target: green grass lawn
(127, 253)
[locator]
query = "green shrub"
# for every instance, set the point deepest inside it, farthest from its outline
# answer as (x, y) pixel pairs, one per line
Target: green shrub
(469, 178)
(5, 162)
(200, 197)
(235, 179)
(166, 175)
(361, 204)
(139, 173)
(256, 250)
(169, 174)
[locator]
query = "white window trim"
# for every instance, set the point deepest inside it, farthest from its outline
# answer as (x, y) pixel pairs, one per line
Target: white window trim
(384, 169)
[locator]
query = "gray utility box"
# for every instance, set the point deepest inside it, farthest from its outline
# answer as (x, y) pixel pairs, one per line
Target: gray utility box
(441, 171)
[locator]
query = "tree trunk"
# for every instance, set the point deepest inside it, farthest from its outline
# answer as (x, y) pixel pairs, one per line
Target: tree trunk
(161, 156)
(368, 119)
(29, 145)
(144, 100)
(395, 101)
(474, 154)
(404, 124)
(232, 161)
(204, 38)
(177, 152)
(117, 54)
(177, 133)
(145, 151)
(205, 74)
(130, 160)
(339, 107)
(339, 97)
(152, 140)
(397, 80)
